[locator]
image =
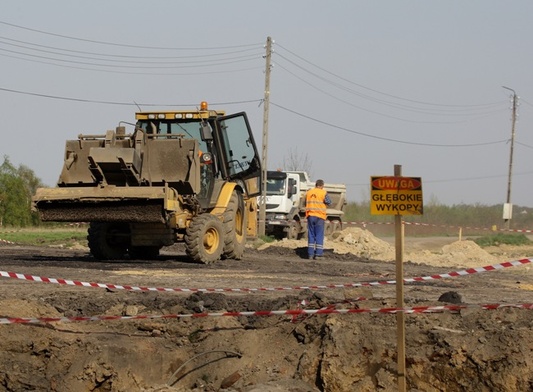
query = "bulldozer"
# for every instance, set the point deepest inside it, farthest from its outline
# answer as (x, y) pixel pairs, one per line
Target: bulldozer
(188, 176)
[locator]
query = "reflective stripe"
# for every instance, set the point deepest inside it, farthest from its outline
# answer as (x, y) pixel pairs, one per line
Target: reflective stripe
(315, 203)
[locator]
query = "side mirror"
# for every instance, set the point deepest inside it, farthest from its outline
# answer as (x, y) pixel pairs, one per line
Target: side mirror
(205, 131)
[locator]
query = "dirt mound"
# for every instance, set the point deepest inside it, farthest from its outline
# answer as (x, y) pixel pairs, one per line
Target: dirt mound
(352, 240)
(461, 254)
(23, 308)
(362, 243)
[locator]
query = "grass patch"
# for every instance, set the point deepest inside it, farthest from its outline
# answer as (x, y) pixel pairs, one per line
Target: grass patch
(267, 238)
(46, 236)
(259, 241)
(501, 239)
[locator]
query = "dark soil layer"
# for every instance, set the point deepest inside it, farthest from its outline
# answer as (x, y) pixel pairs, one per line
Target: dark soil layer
(469, 350)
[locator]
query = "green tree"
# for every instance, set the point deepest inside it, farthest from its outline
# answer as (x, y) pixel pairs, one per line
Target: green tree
(16, 189)
(31, 181)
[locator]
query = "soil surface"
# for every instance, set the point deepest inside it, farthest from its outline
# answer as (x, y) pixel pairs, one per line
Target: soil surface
(144, 338)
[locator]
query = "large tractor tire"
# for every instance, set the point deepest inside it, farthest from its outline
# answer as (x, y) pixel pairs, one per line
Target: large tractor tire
(235, 227)
(108, 241)
(204, 239)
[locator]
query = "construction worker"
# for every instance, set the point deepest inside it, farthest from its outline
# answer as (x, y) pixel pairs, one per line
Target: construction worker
(316, 202)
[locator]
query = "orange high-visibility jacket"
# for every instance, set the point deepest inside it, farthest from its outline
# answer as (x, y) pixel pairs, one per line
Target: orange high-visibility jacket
(315, 204)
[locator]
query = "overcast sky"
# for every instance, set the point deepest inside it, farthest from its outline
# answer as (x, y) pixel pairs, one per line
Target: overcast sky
(356, 86)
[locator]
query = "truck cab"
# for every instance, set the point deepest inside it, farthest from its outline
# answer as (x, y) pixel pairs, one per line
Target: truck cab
(285, 204)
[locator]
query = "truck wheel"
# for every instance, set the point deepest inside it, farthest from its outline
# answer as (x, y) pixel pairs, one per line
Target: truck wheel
(293, 230)
(278, 233)
(108, 241)
(143, 252)
(328, 228)
(337, 225)
(301, 230)
(204, 239)
(331, 226)
(235, 227)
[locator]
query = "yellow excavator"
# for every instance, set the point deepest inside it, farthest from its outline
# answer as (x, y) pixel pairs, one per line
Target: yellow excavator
(179, 176)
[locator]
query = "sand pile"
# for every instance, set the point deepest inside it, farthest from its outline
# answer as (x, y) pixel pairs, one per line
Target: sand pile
(362, 243)
(461, 254)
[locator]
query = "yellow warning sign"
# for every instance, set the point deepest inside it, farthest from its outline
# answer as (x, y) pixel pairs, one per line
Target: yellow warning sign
(396, 195)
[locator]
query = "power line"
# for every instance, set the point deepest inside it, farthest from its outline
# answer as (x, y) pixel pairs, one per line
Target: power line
(384, 138)
(129, 60)
(524, 145)
(382, 93)
(114, 55)
(460, 179)
(242, 102)
(126, 63)
(124, 45)
(526, 102)
(124, 103)
(173, 66)
(116, 71)
(219, 62)
(387, 115)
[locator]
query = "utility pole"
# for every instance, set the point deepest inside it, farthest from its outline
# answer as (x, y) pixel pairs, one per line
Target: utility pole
(508, 207)
(266, 102)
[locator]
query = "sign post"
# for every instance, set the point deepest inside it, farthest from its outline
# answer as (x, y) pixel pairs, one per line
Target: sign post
(397, 196)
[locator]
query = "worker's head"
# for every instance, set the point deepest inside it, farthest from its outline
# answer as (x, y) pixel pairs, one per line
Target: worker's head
(319, 183)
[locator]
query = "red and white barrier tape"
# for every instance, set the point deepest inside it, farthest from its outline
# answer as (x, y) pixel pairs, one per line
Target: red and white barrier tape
(470, 271)
(294, 312)
(452, 274)
(469, 227)
(6, 242)
(364, 224)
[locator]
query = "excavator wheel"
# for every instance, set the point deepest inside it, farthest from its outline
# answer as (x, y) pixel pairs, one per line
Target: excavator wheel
(204, 239)
(235, 227)
(108, 241)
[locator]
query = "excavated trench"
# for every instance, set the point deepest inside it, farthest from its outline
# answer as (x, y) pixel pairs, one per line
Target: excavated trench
(178, 341)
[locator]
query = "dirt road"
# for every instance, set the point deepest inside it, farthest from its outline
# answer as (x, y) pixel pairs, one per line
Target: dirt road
(178, 340)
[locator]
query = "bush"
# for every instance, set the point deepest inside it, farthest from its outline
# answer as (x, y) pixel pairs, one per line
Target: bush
(499, 239)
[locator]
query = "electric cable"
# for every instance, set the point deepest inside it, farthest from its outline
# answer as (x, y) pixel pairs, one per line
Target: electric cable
(384, 138)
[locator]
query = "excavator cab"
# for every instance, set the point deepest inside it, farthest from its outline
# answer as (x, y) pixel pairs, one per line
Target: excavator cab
(226, 152)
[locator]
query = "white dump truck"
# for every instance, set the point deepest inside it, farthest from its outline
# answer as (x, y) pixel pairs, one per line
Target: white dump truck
(285, 204)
